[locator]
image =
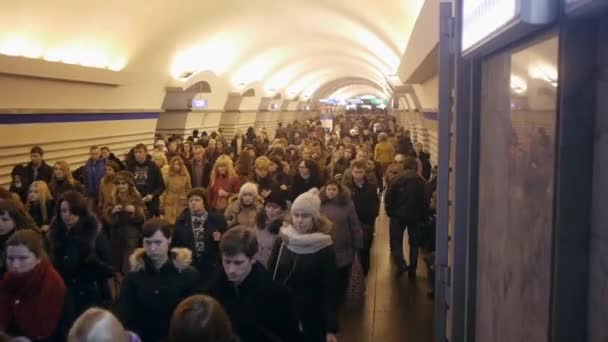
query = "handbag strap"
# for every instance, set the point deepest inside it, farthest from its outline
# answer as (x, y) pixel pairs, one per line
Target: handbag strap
(276, 266)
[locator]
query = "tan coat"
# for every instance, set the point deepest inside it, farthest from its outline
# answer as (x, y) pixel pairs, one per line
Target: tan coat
(238, 215)
(132, 198)
(173, 200)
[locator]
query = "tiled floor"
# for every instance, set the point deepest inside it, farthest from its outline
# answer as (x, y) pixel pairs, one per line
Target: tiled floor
(395, 310)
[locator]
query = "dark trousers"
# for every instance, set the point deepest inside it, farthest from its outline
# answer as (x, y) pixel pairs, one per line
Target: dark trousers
(397, 229)
(368, 239)
(343, 276)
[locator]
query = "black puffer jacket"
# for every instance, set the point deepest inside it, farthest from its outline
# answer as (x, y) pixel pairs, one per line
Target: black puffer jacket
(406, 198)
(148, 295)
(81, 255)
(260, 309)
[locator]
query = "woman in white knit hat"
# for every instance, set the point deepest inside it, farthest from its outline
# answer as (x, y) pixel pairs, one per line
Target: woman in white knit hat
(243, 208)
(305, 261)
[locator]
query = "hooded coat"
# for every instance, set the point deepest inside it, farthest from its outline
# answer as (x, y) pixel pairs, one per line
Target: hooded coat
(260, 309)
(149, 296)
(125, 227)
(306, 264)
(238, 215)
(346, 231)
(81, 255)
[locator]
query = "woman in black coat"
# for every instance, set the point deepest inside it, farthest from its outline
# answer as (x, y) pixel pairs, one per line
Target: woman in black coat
(80, 253)
(307, 176)
(304, 260)
(159, 280)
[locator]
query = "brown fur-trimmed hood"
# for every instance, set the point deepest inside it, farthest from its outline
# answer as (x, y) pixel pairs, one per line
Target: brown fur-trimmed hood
(181, 258)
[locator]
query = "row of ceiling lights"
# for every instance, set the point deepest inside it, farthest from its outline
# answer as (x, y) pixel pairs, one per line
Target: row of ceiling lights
(88, 57)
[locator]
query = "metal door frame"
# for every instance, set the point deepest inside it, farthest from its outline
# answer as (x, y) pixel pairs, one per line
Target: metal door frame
(442, 278)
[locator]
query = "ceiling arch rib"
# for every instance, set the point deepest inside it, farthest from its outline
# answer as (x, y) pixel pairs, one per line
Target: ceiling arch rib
(362, 38)
(297, 65)
(310, 82)
(331, 86)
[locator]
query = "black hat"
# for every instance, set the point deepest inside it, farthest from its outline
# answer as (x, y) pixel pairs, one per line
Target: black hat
(278, 197)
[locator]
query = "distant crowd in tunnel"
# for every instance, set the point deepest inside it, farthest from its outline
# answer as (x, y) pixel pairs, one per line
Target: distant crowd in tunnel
(206, 238)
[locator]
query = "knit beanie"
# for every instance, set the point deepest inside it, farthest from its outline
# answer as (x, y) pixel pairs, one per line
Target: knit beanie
(248, 188)
(308, 202)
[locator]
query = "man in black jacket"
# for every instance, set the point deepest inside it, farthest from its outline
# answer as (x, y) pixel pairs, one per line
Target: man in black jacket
(260, 309)
(37, 169)
(108, 155)
(367, 204)
(200, 231)
(406, 204)
(148, 179)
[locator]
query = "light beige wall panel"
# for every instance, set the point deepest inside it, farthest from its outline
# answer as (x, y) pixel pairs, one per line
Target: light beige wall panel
(428, 93)
(250, 103)
(172, 122)
(232, 122)
(70, 141)
(30, 93)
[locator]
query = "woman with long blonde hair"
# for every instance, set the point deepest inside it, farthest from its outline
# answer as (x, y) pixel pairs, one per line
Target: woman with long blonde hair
(177, 186)
(223, 183)
(63, 180)
(40, 204)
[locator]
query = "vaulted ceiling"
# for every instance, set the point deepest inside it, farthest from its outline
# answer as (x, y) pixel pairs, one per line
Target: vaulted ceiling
(305, 48)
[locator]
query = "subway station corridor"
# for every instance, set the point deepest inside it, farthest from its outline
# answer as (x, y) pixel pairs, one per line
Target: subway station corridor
(395, 310)
(495, 110)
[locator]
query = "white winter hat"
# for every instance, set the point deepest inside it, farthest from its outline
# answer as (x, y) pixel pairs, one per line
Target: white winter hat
(248, 188)
(308, 202)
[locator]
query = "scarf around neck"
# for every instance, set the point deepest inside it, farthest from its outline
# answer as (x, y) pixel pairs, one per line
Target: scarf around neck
(32, 303)
(304, 243)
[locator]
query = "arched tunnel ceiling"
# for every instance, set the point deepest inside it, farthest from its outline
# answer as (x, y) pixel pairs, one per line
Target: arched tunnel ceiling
(292, 47)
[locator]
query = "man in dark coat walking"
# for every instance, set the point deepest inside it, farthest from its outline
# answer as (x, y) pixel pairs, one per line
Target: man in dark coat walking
(406, 204)
(260, 309)
(148, 179)
(200, 231)
(367, 204)
(37, 168)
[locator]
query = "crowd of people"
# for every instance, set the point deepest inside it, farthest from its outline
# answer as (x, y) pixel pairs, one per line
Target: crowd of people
(209, 239)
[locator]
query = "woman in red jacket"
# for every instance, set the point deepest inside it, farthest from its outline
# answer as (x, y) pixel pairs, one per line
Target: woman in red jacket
(32, 293)
(224, 183)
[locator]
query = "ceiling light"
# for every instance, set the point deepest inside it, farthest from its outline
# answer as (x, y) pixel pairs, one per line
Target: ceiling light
(518, 84)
